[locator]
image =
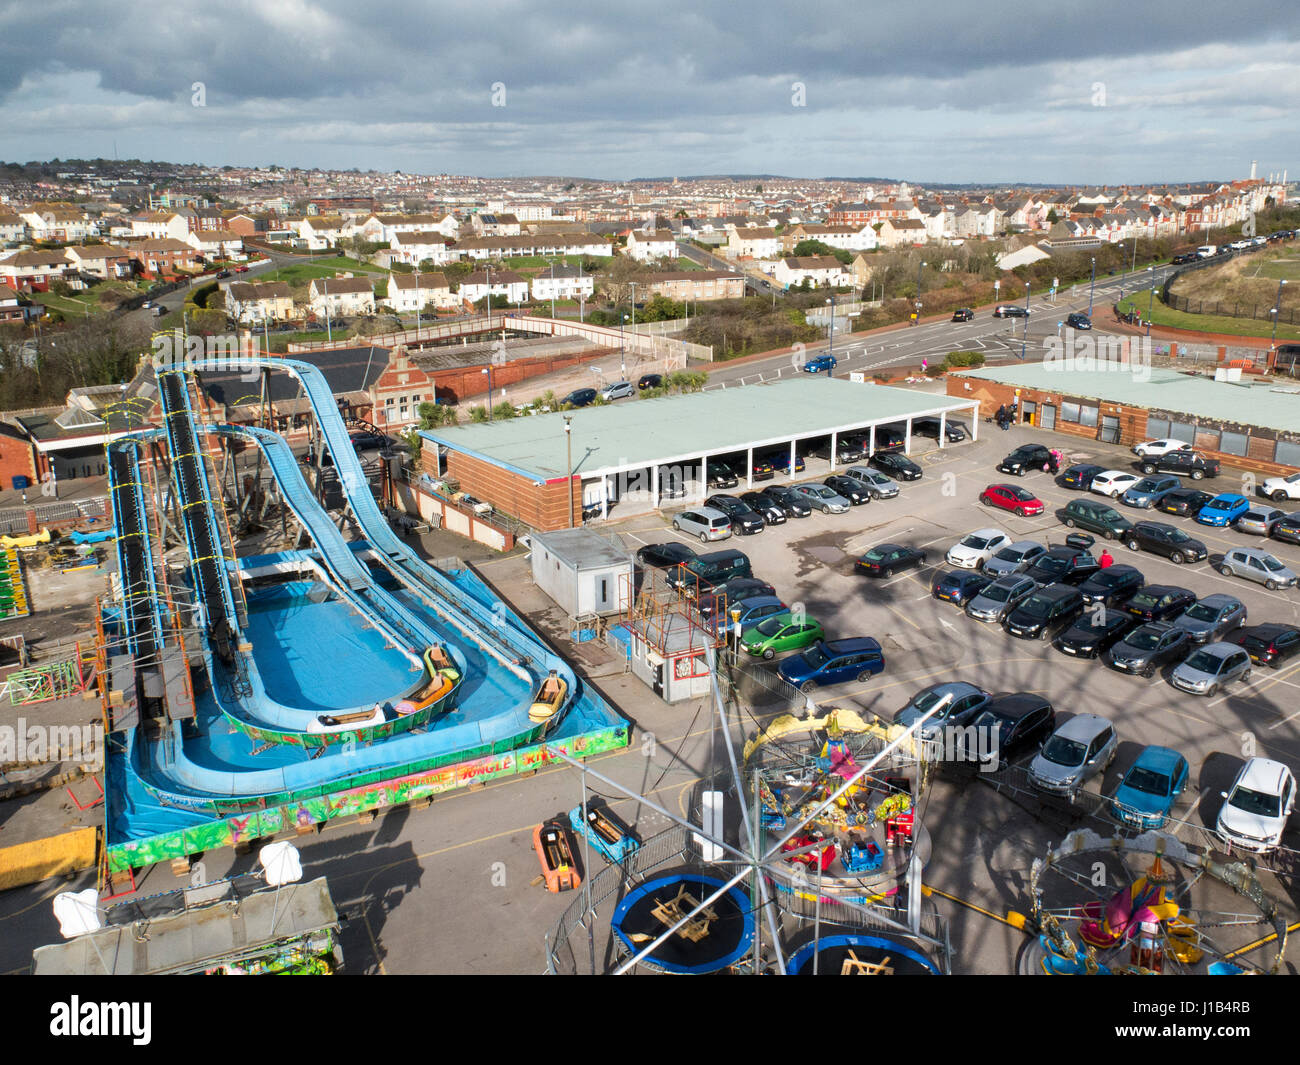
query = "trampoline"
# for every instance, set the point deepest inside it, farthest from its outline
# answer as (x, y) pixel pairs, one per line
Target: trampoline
(858, 954)
(715, 939)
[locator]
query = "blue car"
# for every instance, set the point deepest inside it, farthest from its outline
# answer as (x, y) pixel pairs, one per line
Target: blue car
(958, 586)
(833, 662)
(1223, 510)
(821, 364)
(780, 461)
(752, 610)
(1146, 795)
(611, 840)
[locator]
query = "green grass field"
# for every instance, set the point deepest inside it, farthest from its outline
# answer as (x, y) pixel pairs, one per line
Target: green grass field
(1207, 323)
(1280, 270)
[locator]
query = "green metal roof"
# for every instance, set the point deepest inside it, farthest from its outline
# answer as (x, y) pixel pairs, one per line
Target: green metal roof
(637, 433)
(1268, 406)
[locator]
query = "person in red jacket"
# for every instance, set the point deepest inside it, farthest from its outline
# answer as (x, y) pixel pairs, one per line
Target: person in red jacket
(1106, 559)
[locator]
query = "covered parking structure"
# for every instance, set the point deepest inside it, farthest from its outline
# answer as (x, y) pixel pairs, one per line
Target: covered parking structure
(543, 469)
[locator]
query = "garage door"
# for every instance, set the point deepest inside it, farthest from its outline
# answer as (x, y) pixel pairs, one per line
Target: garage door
(1049, 416)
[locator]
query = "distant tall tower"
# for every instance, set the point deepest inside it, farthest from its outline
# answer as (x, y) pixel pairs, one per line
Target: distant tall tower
(1253, 164)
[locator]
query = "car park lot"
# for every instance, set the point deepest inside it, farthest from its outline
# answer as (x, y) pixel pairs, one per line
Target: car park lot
(811, 564)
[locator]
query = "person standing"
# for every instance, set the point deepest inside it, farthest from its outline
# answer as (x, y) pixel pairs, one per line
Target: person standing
(1106, 559)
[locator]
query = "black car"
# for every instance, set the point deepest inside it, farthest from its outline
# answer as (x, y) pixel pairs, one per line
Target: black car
(1094, 633)
(1287, 528)
(650, 380)
(772, 511)
(963, 314)
(1078, 321)
(1045, 613)
(1080, 477)
(719, 474)
(953, 432)
(888, 559)
(579, 397)
(1180, 260)
(662, 556)
(1112, 585)
(744, 521)
(895, 465)
(1161, 538)
(1184, 462)
(1010, 310)
(1063, 565)
(1025, 458)
(854, 491)
(887, 439)
(1023, 721)
(846, 451)
(788, 500)
(1145, 649)
(1160, 602)
(1268, 645)
(365, 441)
(959, 586)
(1185, 502)
(721, 596)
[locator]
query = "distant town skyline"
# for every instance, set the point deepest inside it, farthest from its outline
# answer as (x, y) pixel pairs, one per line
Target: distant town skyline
(988, 96)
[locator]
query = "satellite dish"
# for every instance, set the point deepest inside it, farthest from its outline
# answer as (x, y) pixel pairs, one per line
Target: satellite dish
(280, 863)
(77, 912)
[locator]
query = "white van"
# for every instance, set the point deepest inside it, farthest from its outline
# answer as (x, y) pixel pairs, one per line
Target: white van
(1206, 250)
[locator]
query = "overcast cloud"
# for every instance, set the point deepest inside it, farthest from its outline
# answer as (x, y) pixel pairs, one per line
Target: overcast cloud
(944, 92)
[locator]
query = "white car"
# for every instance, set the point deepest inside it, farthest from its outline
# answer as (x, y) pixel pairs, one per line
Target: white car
(1113, 483)
(1254, 812)
(977, 548)
(1280, 488)
(1154, 448)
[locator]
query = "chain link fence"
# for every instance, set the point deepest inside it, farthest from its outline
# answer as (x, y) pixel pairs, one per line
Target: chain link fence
(13, 520)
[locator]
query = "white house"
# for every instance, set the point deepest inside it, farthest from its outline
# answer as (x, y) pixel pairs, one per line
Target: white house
(656, 244)
(408, 293)
(847, 237)
(504, 283)
(758, 243)
(259, 301)
(321, 231)
(414, 246)
(820, 270)
(563, 283)
(159, 225)
(58, 223)
(13, 230)
(341, 295)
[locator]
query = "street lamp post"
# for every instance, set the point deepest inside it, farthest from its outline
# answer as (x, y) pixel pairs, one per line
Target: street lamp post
(552, 288)
(1092, 286)
(488, 370)
(1024, 336)
(1151, 300)
(1277, 309)
(622, 360)
(568, 446)
(417, 301)
(830, 339)
(917, 319)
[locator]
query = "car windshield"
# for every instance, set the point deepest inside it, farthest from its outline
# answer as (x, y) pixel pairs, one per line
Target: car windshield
(922, 703)
(1145, 485)
(816, 657)
(1052, 564)
(999, 593)
(821, 491)
(1147, 780)
(1255, 802)
(1144, 600)
(1177, 536)
(1022, 495)
(1109, 580)
(1204, 662)
(1202, 612)
(1271, 564)
(1010, 554)
(771, 626)
(1143, 640)
(1037, 606)
(977, 542)
(1064, 751)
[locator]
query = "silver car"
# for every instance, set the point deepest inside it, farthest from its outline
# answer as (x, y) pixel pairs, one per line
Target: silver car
(1077, 751)
(1210, 667)
(875, 482)
(708, 523)
(618, 390)
(1014, 558)
(1259, 520)
(1212, 618)
(1147, 492)
(1258, 566)
(998, 599)
(819, 497)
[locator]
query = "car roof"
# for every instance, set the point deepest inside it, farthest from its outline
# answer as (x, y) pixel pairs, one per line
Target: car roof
(1269, 628)
(752, 601)
(1219, 599)
(1016, 704)
(1083, 727)
(851, 644)
(1262, 774)
(707, 512)
(1154, 757)
(1022, 545)
(987, 534)
(1220, 649)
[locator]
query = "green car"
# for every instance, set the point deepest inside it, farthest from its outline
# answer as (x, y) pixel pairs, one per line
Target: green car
(1095, 517)
(781, 632)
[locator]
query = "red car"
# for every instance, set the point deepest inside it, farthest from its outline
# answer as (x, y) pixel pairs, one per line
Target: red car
(241, 269)
(1012, 497)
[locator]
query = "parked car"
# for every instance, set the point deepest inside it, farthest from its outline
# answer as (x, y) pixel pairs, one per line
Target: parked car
(1152, 448)
(761, 470)
(751, 611)
(1146, 796)
(1209, 668)
(887, 438)
(1063, 564)
(788, 500)
(846, 451)
(1256, 565)
(1160, 602)
(963, 314)
(833, 662)
(1113, 483)
(820, 364)
(964, 702)
(1280, 488)
(953, 432)
(704, 573)
(744, 521)
(765, 506)
(1112, 586)
(780, 633)
(1072, 755)
(579, 397)
(1078, 321)
(617, 390)
(1025, 458)
(1185, 502)
(663, 556)
(959, 587)
(731, 590)
(993, 603)
(672, 483)
(719, 474)
(852, 490)
(1287, 528)
(1094, 632)
(1044, 613)
(1212, 618)
(972, 551)
(819, 497)
(887, 559)
(650, 380)
(896, 465)
(707, 523)
(1010, 310)
(1147, 492)
(880, 486)
(1185, 463)
(1268, 645)
(1259, 520)
(1095, 517)
(1223, 510)
(1160, 538)
(1013, 498)
(367, 441)
(1256, 807)
(780, 461)
(1015, 558)
(1079, 477)
(1146, 648)
(1022, 719)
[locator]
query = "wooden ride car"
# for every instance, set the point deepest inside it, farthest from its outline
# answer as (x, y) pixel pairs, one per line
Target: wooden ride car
(554, 849)
(550, 697)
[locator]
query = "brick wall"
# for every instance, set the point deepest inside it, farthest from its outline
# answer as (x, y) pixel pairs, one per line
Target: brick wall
(15, 460)
(461, 383)
(543, 507)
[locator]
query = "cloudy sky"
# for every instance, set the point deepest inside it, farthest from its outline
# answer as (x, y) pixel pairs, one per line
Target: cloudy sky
(945, 92)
